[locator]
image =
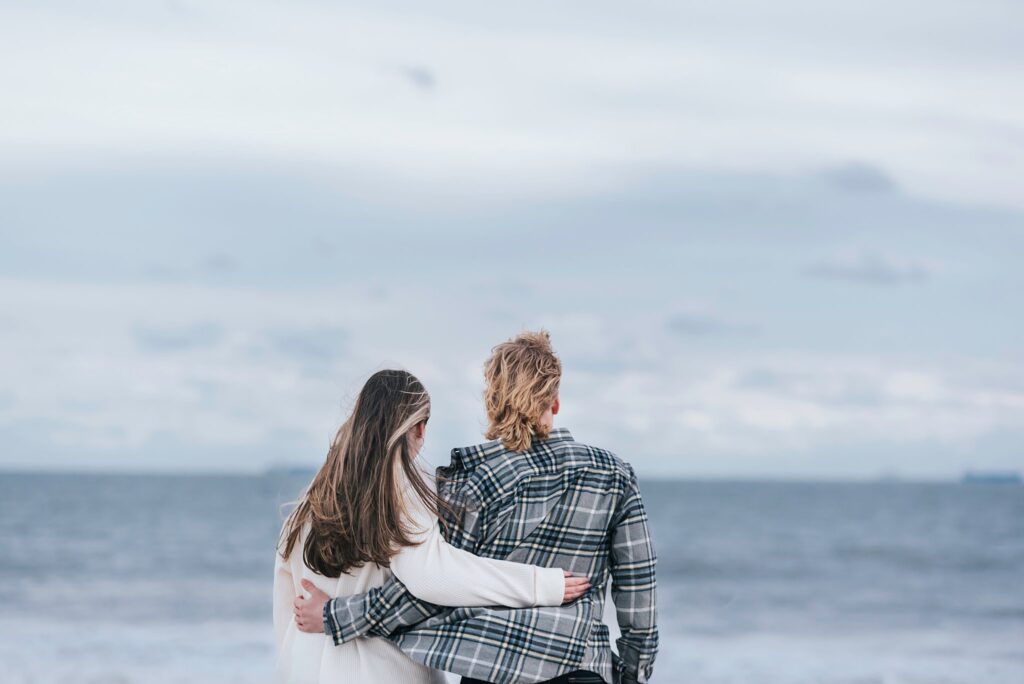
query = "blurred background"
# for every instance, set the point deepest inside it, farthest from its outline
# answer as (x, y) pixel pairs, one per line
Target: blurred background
(776, 245)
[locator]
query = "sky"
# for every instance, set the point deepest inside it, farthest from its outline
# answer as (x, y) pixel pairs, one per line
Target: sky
(768, 240)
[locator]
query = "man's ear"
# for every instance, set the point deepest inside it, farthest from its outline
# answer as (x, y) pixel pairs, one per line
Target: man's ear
(557, 404)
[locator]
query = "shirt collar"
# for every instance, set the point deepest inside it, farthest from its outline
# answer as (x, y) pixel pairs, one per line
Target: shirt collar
(472, 456)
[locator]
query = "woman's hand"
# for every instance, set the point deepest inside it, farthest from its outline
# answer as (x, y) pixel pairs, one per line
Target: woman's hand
(309, 612)
(574, 587)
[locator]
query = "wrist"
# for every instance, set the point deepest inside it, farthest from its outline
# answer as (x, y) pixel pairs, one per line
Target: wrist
(330, 627)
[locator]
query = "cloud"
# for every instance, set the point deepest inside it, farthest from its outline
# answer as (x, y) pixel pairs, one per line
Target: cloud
(314, 346)
(669, 88)
(318, 300)
(849, 389)
(697, 323)
(859, 177)
(762, 378)
(219, 263)
(873, 268)
(295, 357)
(772, 410)
(420, 77)
(167, 339)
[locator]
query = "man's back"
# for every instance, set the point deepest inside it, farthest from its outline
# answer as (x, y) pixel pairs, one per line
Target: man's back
(558, 504)
(568, 505)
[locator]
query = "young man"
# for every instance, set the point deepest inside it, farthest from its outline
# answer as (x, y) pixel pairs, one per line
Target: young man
(534, 495)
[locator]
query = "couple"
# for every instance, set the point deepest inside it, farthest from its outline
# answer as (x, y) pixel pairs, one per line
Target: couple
(513, 590)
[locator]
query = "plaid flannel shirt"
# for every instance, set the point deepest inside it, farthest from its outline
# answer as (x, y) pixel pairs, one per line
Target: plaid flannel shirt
(558, 504)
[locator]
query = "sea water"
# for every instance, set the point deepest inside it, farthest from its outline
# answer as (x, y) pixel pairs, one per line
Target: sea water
(155, 579)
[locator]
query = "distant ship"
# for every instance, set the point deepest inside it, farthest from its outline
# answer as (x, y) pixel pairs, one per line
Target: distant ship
(981, 477)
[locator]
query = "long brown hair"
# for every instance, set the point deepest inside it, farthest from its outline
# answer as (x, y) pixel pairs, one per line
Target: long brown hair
(355, 505)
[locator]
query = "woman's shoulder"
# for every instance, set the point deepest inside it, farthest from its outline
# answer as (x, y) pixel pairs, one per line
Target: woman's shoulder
(410, 493)
(418, 515)
(297, 545)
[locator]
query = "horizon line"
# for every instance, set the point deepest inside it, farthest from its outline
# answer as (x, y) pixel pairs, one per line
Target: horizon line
(651, 477)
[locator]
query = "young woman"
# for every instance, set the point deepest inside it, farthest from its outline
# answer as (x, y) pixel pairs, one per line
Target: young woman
(369, 513)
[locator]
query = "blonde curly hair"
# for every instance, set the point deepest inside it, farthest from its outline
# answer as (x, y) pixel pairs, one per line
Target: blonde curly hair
(522, 377)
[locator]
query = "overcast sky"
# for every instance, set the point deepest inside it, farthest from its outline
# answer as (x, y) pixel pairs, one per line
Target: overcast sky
(768, 239)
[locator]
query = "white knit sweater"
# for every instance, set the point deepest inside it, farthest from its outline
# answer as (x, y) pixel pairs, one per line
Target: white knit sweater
(433, 570)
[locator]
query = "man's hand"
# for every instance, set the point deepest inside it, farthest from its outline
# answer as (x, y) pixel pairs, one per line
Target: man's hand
(574, 587)
(309, 612)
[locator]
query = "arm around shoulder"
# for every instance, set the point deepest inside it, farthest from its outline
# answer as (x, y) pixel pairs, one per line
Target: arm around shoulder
(432, 574)
(436, 571)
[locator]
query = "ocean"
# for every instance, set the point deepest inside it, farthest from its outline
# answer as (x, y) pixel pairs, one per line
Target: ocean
(154, 579)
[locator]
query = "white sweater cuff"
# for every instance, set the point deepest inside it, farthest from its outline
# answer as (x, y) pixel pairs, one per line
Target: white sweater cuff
(550, 586)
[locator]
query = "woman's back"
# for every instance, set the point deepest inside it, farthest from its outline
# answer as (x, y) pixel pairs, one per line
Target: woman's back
(311, 658)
